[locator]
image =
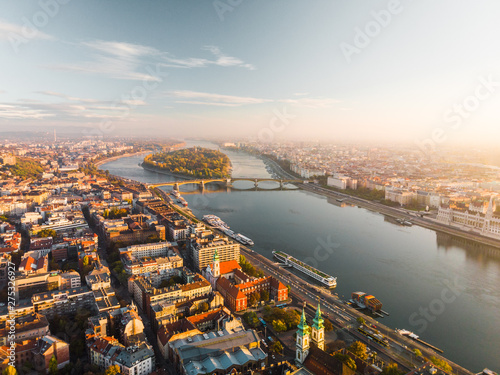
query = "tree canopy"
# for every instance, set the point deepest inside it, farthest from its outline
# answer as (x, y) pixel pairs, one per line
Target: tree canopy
(9, 370)
(194, 162)
(442, 364)
(358, 349)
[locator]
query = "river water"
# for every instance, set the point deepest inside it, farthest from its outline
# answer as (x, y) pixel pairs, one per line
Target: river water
(443, 288)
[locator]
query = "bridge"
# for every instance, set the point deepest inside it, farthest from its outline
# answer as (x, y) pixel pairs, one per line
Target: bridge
(228, 182)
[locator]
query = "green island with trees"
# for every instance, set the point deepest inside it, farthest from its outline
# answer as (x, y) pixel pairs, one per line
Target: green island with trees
(191, 162)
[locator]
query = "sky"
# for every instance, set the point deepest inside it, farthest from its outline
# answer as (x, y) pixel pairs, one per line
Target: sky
(425, 72)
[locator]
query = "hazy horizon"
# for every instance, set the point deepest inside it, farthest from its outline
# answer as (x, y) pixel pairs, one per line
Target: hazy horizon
(421, 73)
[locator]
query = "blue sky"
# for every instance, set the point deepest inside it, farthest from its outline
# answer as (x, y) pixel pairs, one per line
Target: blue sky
(338, 70)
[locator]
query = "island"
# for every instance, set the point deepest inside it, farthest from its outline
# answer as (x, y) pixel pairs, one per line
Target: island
(195, 162)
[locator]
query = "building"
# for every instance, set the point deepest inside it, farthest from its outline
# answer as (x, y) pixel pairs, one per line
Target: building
(48, 347)
(151, 250)
(486, 224)
(27, 285)
(63, 302)
(202, 250)
(400, 196)
(342, 182)
(31, 265)
(217, 352)
(70, 279)
(30, 326)
(236, 286)
(146, 295)
(302, 341)
(133, 360)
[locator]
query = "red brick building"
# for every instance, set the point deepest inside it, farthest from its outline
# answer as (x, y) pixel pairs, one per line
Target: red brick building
(237, 290)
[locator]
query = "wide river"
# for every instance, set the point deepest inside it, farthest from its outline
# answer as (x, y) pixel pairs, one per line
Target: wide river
(445, 289)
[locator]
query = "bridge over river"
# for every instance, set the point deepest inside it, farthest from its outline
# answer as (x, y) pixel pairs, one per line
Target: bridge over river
(228, 182)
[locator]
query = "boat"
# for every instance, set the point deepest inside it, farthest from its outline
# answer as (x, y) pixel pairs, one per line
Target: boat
(403, 221)
(366, 301)
(244, 239)
(216, 222)
(316, 274)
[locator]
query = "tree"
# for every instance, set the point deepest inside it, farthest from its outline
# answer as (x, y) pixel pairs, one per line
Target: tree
(251, 318)
(361, 320)
(417, 353)
(203, 307)
(391, 369)
(9, 370)
(252, 300)
(279, 326)
(85, 261)
(348, 361)
(53, 366)
(264, 295)
(328, 325)
(112, 370)
(441, 363)
(358, 349)
(276, 347)
(47, 233)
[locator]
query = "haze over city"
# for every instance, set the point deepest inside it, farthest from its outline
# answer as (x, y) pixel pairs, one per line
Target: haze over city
(391, 71)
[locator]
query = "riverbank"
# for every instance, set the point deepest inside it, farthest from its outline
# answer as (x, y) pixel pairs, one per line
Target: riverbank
(113, 158)
(162, 171)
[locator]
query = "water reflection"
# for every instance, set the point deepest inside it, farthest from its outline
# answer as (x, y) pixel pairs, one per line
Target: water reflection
(474, 250)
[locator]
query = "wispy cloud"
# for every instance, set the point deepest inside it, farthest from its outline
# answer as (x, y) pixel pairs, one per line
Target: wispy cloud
(205, 98)
(312, 102)
(68, 108)
(67, 97)
(115, 60)
(10, 111)
(129, 61)
(10, 31)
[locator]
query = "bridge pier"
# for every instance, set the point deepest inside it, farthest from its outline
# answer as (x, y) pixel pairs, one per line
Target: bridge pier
(228, 182)
(281, 184)
(176, 186)
(256, 183)
(202, 185)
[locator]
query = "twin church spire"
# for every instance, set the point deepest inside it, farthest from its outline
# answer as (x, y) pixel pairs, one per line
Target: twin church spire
(305, 334)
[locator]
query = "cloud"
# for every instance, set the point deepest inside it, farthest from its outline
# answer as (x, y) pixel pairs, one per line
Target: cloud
(129, 61)
(67, 97)
(11, 31)
(312, 102)
(9, 111)
(116, 60)
(69, 108)
(204, 98)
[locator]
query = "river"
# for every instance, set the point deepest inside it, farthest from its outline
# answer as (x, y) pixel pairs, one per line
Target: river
(443, 288)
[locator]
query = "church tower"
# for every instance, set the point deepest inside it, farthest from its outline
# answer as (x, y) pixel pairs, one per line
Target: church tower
(216, 265)
(302, 343)
(318, 330)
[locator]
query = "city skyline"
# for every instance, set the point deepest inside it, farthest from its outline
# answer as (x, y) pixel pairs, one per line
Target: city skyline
(391, 71)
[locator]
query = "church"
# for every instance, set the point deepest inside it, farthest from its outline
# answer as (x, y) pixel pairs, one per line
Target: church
(307, 335)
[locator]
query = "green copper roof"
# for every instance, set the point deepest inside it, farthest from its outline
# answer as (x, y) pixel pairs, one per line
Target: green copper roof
(318, 320)
(216, 256)
(303, 327)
